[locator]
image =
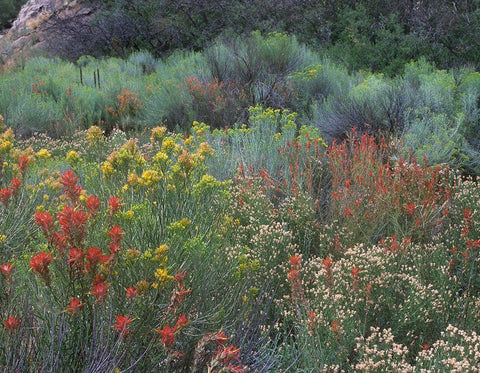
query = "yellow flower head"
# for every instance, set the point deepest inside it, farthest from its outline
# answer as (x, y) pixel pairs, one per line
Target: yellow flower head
(133, 179)
(43, 154)
(107, 169)
(161, 160)
(5, 146)
(160, 253)
(205, 149)
(95, 136)
(129, 214)
(162, 276)
(168, 145)
(200, 129)
(185, 160)
(150, 177)
(158, 134)
(72, 158)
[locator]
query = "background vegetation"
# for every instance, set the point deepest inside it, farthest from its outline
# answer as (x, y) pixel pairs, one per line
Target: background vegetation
(380, 35)
(8, 12)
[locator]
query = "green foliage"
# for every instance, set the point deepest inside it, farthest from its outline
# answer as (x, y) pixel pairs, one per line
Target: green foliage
(8, 11)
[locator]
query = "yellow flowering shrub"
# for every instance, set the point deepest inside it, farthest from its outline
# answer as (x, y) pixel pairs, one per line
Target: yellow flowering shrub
(95, 136)
(73, 158)
(150, 178)
(162, 276)
(43, 154)
(157, 135)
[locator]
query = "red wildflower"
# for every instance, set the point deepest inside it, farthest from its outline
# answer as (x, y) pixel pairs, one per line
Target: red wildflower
(115, 235)
(168, 335)
(11, 324)
(347, 212)
(182, 322)
(292, 275)
(179, 277)
(228, 353)
(312, 321)
(220, 338)
(39, 263)
(131, 292)
(6, 269)
(467, 214)
(122, 324)
(76, 257)
(74, 306)
(295, 261)
(327, 263)
(355, 272)
(22, 163)
(15, 185)
(70, 187)
(114, 204)
(335, 328)
(72, 223)
(100, 291)
(45, 221)
(92, 204)
(426, 346)
(94, 256)
(410, 209)
(59, 241)
(99, 279)
(5, 195)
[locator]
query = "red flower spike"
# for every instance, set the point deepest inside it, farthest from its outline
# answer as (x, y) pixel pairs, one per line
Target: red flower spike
(327, 263)
(5, 195)
(72, 223)
(39, 263)
(11, 324)
(115, 234)
(347, 212)
(92, 204)
(226, 354)
(100, 291)
(6, 269)
(355, 272)
(122, 324)
(335, 328)
(114, 204)
(94, 256)
(71, 189)
(220, 338)
(15, 185)
(76, 257)
(99, 279)
(22, 163)
(410, 209)
(131, 293)
(182, 322)
(179, 277)
(45, 221)
(292, 275)
(74, 307)
(295, 261)
(168, 335)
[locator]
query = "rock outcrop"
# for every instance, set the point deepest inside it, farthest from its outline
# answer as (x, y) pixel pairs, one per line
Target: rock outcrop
(35, 26)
